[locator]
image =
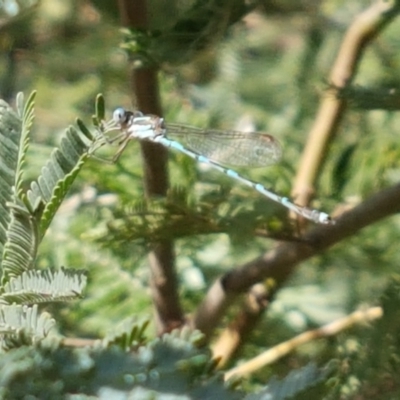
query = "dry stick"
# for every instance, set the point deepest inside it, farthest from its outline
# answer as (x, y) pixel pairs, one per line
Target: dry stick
(279, 263)
(361, 32)
(163, 279)
(285, 348)
(231, 338)
(79, 342)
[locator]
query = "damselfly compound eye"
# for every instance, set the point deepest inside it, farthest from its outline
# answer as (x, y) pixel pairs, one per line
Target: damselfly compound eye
(119, 115)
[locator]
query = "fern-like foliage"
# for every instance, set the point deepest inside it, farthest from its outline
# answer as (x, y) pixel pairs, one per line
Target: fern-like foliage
(196, 29)
(10, 135)
(21, 245)
(174, 366)
(367, 370)
(26, 114)
(127, 335)
(180, 215)
(177, 366)
(23, 323)
(35, 286)
(24, 219)
(293, 385)
(57, 176)
(20, 248)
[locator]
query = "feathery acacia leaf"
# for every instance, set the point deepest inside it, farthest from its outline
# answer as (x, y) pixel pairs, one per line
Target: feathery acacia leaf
(179, 215)
(10, 134)
(100, 108)
(16, 318)
(26, 113)
(58, 175)
(197, 29)
(128, 334)
(21, 227)
(39, 286)
(21, 246)
(293, 384)
(170, 367)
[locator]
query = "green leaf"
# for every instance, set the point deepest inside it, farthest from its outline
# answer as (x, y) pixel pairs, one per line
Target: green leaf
(197, 29)
(342, 169)
(128, 334)
(27, 115)
(296, 382)
(10, 137)
(83, 129)
(44, 286)
(22, 227)
(16, 318)
(21, 246)
(19, 249)
(55, 373)
(100, 111)
(57, 176)
(100, 107)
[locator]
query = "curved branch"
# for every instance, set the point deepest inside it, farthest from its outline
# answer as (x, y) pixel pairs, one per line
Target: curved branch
(280, 262)
(364, 28)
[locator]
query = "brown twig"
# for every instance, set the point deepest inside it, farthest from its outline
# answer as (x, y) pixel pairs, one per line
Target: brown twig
(285, 348)
(78, 342)
(279, 263)
(144, 82)
(231, 338)
(364, 28)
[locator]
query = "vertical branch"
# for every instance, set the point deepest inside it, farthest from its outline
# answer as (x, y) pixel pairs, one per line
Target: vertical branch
(364, 28)
(144, 83)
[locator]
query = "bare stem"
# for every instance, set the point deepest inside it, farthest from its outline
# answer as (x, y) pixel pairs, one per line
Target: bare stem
(282, 349)
(144, 83)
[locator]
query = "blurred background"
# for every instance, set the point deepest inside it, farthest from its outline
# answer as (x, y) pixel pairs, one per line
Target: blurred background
(264, 70)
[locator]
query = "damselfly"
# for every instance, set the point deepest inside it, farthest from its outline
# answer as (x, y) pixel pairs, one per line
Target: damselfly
(212, 147)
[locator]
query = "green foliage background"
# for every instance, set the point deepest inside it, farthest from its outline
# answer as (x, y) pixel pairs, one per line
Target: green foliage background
(268, 73)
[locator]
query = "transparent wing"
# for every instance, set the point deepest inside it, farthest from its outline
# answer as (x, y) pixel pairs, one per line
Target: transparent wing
(252, 149)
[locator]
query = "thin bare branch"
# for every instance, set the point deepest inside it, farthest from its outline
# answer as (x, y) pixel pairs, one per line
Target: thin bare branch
(282, 349)
(144, 83)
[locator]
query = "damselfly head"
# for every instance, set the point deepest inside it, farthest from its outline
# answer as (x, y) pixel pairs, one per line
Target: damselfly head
(122, 116)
